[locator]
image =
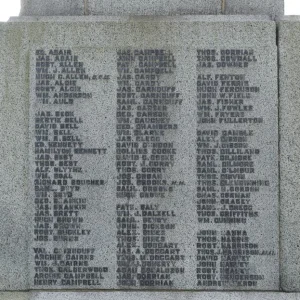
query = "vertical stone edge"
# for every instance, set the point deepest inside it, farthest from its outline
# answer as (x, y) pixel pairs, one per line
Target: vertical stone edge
(13, 159)
(24, 7)
(289, 110)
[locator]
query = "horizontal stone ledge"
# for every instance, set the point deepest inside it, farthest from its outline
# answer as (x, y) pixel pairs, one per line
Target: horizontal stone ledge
(149, 296)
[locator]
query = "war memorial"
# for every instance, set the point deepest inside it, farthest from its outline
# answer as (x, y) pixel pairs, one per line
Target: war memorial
(150, 150)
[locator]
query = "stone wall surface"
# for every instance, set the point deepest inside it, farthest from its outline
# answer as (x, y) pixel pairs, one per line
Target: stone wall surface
(73, 90)
(289, 63)
(75, 208)
(273, 8)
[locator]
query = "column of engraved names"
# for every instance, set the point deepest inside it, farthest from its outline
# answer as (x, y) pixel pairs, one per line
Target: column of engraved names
(145, 105)
(226, 167)
(154, 263)
(146, 98)
(59, 180)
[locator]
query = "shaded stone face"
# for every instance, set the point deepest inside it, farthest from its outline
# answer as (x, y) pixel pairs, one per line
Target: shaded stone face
(273, 8)
(289, 57)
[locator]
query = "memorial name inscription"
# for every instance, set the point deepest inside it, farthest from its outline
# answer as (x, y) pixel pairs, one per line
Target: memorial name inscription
(109, 148)
(225, 163)
(59, 200)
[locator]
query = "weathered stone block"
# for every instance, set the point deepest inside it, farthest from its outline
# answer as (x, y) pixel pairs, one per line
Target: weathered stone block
(154, 166)
(152, 151)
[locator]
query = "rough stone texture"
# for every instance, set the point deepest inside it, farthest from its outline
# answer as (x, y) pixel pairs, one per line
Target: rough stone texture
(14, 160)
(95, 43)
(149, 296)
(273, 8)
(289, 61)
(184, 37)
